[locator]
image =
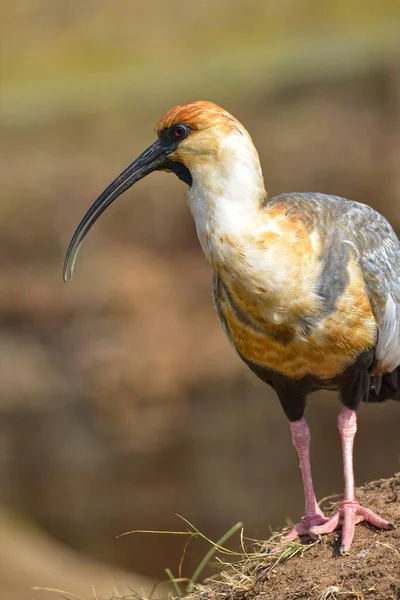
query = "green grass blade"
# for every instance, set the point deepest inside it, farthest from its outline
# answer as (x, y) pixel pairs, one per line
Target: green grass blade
(174, 582)
(196, 532)
(210, 554)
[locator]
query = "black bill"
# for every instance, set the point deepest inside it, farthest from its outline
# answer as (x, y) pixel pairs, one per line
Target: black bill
(152, 159)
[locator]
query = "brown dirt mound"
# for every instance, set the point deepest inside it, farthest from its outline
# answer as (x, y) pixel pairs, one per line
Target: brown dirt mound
(316, 572)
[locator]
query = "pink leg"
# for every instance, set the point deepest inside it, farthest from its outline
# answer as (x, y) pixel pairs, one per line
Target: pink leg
(350, 512)
(313, 515)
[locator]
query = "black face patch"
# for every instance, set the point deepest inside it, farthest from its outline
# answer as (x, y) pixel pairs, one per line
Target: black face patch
(179, 169)
(176, 133)
(172, 137)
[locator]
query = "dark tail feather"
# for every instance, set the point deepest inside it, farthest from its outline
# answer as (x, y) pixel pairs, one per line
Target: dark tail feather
(389, 387)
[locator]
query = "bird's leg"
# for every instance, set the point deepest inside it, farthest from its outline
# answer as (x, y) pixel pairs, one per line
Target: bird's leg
(350, 512)
(313, 515)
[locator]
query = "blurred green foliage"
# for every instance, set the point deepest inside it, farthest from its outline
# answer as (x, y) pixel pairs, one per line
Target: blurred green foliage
(60, 55)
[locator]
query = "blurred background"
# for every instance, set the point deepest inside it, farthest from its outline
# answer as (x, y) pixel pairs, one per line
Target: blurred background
(121, 402)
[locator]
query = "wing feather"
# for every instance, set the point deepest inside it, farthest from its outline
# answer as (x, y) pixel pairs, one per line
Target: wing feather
(380, 262)
(377, 249)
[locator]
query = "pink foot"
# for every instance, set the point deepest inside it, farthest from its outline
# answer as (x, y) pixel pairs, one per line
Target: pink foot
(348, 516)
(305, 525)
(302, 528)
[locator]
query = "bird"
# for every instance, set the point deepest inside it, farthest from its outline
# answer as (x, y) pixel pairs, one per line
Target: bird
(306, 286)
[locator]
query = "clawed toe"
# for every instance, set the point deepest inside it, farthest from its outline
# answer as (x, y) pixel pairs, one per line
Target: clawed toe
(305, 526)
(301, 529)
(348, 515)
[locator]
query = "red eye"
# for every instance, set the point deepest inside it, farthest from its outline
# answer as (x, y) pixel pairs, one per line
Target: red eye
(179, 131)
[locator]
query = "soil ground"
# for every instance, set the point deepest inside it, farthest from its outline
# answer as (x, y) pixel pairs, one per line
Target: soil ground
(371, 570)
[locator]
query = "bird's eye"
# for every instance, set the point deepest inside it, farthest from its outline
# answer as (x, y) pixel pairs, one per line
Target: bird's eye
(179, 131)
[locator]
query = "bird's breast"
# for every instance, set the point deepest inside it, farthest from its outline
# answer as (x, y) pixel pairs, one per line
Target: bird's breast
(290, 297)
(303, 340)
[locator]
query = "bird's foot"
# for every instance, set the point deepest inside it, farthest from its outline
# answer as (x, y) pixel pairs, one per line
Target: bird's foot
(305, 526)
(348, 515)
(302, 528)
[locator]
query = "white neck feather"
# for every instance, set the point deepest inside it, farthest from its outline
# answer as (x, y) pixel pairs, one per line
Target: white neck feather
(226, 193)
(240, 238)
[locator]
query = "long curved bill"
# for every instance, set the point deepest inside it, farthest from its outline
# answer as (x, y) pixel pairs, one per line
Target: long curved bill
(150, 160)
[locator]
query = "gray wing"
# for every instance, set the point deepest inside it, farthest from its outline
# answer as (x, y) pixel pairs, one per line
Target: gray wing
(379, 257)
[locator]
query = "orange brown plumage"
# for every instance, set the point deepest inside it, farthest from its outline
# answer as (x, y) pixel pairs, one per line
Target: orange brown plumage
(198, 115)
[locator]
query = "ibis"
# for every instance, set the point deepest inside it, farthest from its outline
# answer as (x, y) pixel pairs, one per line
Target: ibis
(306, 285)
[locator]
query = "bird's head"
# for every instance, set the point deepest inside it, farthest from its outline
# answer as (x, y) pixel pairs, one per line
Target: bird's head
(202, 132)
(196, 141)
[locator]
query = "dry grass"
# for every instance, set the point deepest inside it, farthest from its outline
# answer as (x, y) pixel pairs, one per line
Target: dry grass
(238, 571)
(333, 592)
(255, 571)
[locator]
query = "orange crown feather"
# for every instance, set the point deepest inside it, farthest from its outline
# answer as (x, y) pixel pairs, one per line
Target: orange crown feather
(199, 115)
